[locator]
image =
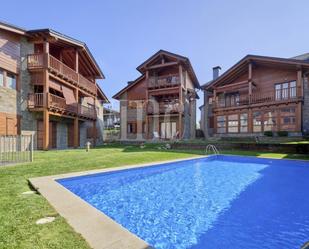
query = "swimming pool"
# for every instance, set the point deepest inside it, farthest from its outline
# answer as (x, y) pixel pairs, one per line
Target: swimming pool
(215, 202)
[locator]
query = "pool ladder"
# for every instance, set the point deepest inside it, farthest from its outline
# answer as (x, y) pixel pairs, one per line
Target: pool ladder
(211, 147)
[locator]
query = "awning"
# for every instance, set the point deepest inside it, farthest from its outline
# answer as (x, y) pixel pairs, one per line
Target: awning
(68, 95)
(55, 85)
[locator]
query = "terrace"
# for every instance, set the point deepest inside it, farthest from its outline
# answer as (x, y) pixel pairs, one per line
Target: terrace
(257, 98)
(57, 104)
(59, 69)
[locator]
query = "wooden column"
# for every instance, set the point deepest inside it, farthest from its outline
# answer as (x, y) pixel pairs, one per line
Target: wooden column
(146, 106)
(46, 47)
(46, 100)
(76, 122)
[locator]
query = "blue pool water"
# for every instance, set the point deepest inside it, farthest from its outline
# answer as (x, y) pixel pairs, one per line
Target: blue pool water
(215, 202)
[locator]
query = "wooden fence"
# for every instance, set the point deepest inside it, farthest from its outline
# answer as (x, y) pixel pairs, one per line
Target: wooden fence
(16, 149)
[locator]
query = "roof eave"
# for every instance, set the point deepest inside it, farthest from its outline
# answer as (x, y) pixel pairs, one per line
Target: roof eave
(75, 42)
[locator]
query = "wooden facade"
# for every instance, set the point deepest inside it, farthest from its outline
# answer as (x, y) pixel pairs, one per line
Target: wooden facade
(62, 75)
(155, 102)
(256, 95)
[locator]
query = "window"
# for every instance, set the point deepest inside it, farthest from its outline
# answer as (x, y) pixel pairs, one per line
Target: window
(210, 100)
(233, 123)
(270, 120)
(257, 122)
(292, 89)
(131, 127)
(1, 78)
(244, 122)
(232, 99)
(221, 125)
(11, 81)
(288, 119)
(285, 90)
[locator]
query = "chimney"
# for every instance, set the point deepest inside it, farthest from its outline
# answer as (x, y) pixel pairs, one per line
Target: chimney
(215, 72)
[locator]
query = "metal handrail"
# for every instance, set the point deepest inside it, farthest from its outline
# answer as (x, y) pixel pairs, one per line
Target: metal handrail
(213, 148)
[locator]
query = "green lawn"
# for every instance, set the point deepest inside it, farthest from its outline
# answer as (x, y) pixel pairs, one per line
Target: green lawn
(18, 213)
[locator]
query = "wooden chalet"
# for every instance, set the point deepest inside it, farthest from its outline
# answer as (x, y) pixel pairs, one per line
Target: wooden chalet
(256, 95)
(58, 78)
(161, 103)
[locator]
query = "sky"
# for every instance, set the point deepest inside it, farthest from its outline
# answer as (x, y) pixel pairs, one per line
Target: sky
(123, 34)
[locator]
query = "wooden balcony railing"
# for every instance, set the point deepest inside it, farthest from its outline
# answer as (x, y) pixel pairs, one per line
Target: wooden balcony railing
(86, 111)
(163, 81)
(164, 108)
(38, 61)
(36, 100)
(86, 84)
(60, 68)
(58, 104)
(288, 94)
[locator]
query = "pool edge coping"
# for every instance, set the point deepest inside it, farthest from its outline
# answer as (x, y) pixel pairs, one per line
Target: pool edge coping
(97, 228)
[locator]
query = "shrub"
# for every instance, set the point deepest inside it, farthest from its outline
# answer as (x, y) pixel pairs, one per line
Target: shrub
(282, 133)
(268, 133)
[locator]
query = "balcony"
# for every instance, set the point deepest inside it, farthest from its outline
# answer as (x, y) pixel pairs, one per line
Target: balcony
(58, 68)
(163, 81)
(273, 97)
(56, 104)
(165, 108)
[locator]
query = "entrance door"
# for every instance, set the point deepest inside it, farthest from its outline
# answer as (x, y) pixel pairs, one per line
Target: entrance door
(168, 130)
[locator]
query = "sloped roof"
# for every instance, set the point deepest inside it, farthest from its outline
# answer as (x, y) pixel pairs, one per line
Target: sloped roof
(142, 68)
(102, 95)
(257, 59)
(303, 57)
(56, 34)
(12, 28)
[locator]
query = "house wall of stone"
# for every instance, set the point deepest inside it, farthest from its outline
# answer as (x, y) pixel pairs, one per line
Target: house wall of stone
(62, 135)
(207, 113)
(28, 119)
